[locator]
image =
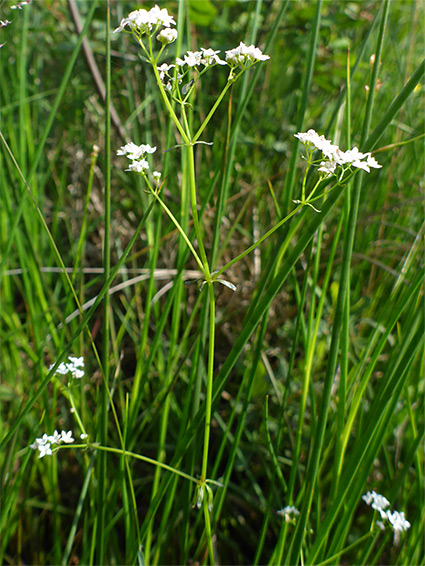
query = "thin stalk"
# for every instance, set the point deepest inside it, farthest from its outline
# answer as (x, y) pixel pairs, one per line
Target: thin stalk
(208, 532)
(211, 112)
(210, 377)
(182, 232)
(193, 200)
(258, 242)
(168, 104)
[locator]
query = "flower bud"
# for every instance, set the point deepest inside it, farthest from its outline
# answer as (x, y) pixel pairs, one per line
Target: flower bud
(167, 35)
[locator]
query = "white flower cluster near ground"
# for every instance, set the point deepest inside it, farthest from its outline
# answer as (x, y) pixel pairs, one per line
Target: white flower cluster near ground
(335, 157)
(137, 153)
(44, 444)
(74, 366)
(380, 503)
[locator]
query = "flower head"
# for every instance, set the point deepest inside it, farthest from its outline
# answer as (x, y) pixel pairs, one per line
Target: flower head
(167, 35)
(133, 151)
(144, 21)
(334, 155)
(398, 523)
(191, 59)
(138, 166)
(289, 513)
(377, 502)
(210, 57)
(73, 366)
(44, 444)
(244, 55)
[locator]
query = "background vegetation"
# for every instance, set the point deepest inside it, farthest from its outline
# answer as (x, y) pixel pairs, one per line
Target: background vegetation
(319, 358)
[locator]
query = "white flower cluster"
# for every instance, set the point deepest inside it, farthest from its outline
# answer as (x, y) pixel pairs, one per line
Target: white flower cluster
(144, 21)
(380, 503)
(335, 156)
(245, 56)
(20, 5)
(44, 444)
(206, 57)
(289, 513)
(73, 366)
(137, 155)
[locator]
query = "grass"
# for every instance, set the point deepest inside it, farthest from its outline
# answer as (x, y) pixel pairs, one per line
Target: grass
(209, 410)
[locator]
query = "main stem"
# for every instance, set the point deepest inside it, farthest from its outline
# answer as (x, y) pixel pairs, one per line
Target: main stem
(210, 376)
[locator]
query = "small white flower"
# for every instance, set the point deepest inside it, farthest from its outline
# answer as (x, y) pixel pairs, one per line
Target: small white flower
(377, 501)
(62, 368)
(398, 523)
(191, 59)
(67, 437)
(139, 166)
(156, 175)
(289, 513)
(244, 55)
(133, 151)
(312, 138)
(83, 436)
(160, 17)
(167, 35)
(55, 438)
(73, 366)
(371, 161)
(143, 21)
(210, 57)
(327, 167)
(44, 444)
(44, 450)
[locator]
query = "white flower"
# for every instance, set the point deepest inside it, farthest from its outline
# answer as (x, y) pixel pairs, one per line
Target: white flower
(55, 438)
(156, 175)
(83, 436)
(371, 161)
(161, 17)
(327, 167)
(142, 21)
(210, 57)
(335, 156)
(44, 450)
(44, 444)
(73, 366)
(139, 166)
(167, 35)
(19, 6)
(319, 142)
(244, 55)
(398, 523)
(376, 501)
(133, 151)
(67, 437)
(191, 59)
(289, 512)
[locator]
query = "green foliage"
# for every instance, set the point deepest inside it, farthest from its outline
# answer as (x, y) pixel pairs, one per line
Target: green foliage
(326, 325)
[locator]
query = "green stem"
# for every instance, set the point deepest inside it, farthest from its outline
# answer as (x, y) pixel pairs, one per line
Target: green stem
(179, 228)
(258, 242)
(168, 104)
(211, 112)
(208, 401)
(208, 531)
(192, 187)
(126, 453)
